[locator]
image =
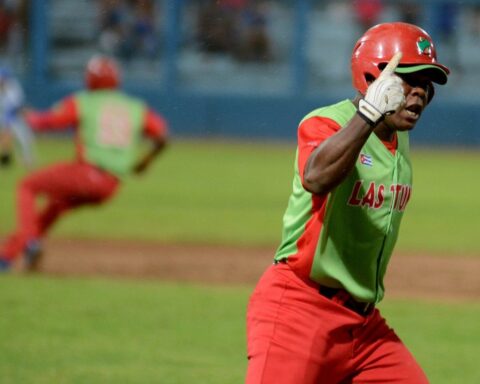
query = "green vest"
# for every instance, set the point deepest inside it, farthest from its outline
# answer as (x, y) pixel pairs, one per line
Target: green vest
(362, 216)
(110, 129)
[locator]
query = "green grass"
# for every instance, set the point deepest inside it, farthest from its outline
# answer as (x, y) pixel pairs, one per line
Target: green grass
(101, 331)
(236, 193)
(443, 337)
(196, 192)
(443, 214)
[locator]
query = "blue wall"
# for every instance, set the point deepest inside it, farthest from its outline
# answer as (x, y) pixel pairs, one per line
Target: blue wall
(445, 122)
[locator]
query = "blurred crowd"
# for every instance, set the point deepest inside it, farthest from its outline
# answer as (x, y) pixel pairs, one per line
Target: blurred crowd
(131, 28)
(235, 27)
(258, 31)
(241, 27)
(128, 28)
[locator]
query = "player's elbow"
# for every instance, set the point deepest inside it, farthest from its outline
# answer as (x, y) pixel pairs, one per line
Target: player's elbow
(315, 183)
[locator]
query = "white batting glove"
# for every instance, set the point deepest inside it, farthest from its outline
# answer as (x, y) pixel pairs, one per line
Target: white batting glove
(384, 96)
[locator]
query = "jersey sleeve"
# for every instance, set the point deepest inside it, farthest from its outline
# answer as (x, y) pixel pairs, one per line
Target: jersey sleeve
(62, 115)
(155, 126)
(311, 133)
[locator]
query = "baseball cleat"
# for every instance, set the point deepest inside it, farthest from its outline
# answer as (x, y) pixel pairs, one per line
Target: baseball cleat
(4, 265)
(32, 254)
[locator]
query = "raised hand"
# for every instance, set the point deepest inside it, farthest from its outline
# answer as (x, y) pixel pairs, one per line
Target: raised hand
(385, 95)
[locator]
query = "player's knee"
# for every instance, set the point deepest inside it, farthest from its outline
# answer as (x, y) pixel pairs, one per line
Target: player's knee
(26, 184)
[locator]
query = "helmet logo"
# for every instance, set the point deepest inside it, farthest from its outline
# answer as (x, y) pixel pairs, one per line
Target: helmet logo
(424, 46)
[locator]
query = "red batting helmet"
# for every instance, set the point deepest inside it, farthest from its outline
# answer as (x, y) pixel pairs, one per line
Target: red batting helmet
(378, 45)
(102, 72)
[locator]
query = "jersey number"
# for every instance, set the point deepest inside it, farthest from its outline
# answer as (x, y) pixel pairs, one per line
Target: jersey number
(115, 126)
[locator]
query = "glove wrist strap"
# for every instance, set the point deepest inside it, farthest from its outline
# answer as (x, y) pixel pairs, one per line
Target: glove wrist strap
(369, 113)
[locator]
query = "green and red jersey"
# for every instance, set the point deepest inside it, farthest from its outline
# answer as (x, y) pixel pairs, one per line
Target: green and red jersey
(345, 239)
(109, 125)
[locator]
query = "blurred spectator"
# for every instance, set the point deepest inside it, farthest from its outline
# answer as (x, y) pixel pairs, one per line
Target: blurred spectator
(409, 13)
(6, 21)
(216, 27)
(254, 42)
(236, 27)
(475, 23)
(140, 39)
(235, 5)
(128, 28)
(113, 21)
(13, 22)
(367, 12)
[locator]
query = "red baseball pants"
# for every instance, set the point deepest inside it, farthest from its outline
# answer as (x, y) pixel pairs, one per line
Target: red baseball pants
(64, 186)
(297, 336)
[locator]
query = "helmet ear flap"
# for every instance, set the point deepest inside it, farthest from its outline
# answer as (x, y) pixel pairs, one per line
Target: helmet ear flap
(369, 78)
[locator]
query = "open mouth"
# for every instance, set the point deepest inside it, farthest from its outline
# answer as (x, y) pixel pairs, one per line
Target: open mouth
(414, 110)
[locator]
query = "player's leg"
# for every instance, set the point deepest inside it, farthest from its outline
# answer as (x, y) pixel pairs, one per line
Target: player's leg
(92, 186)
(295, 335)
(69, 185)
(41, 182)
(52, 211)
(383, 357)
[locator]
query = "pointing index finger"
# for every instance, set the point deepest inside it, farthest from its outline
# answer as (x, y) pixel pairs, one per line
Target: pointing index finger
(392, 64)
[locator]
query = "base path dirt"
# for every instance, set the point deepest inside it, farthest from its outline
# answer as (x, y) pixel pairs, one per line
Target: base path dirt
(409, 275)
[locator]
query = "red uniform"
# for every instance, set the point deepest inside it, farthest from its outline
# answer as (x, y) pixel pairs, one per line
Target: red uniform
(297, 335)
(65, 185)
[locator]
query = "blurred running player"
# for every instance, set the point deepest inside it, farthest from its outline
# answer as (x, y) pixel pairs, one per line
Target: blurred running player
(109, 126)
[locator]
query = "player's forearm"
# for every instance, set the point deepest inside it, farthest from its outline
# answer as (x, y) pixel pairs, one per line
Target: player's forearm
(45, 121)
(64, 115)
(157, 147)
(331, 162)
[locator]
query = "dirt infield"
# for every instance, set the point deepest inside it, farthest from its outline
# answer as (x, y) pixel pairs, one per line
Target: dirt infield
(410, 275)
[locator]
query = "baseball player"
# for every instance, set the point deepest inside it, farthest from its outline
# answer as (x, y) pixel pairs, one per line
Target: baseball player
(109, 126)
(312, 317)
(12, 125)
